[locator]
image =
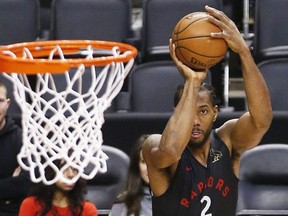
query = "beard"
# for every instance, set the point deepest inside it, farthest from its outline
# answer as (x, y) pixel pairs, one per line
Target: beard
(199, 144)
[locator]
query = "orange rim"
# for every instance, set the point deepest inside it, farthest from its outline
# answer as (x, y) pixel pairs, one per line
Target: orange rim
(39, 49)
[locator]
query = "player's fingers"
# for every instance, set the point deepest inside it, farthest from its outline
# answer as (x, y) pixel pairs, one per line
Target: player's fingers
(223, 34)
(220, 15)
(219, 19)
(172, 49)
(202, 75)
(173, 55)
(226, 31)
(218, 23)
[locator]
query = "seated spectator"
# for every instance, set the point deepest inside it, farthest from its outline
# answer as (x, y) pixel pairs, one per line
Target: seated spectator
(14, 183)
(59, 198)
(136, 199)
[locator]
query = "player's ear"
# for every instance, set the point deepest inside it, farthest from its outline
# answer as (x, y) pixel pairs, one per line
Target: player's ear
(216, 111)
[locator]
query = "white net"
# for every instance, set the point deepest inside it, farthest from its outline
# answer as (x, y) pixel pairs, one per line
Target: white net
(63, 115)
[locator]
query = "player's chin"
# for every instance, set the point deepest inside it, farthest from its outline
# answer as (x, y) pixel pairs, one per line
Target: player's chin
(196, 142)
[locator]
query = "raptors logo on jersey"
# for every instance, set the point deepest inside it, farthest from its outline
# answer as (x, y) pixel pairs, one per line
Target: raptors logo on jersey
(215, 155)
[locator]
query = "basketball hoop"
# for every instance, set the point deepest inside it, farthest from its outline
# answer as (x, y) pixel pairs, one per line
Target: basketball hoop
(62, 115)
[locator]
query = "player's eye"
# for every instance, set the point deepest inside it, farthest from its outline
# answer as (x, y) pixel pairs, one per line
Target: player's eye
(203, 112)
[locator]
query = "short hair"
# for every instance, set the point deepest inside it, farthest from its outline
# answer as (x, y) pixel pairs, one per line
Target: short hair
(204, 87)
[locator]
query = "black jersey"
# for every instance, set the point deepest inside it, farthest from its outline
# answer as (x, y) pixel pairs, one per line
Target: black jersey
(197, 190)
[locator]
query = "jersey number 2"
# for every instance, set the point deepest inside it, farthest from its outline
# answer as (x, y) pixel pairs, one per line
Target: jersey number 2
(207, 206)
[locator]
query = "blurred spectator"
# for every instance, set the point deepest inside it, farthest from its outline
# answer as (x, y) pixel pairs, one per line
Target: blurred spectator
(136, 199)
(59, 198)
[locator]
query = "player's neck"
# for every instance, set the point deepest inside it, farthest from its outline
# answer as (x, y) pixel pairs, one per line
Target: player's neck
(201, 154)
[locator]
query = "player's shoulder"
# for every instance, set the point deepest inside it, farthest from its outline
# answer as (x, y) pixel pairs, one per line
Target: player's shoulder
(152, 140)
(224, 132)
(154, 137)
(232, 126)
(226, 128)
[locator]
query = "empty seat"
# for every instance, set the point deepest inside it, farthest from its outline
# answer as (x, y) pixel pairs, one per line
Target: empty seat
(104, 187)
(159, 19)
(19, 21)
(91, 19)
(271, 29)
(263, 184)
(275, 73)
(152, 86)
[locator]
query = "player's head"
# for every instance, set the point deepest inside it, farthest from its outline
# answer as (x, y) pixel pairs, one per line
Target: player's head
(204, 87)
(206, 114)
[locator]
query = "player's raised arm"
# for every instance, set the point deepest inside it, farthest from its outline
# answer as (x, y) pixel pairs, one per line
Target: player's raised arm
(250, 128)
(178, 129)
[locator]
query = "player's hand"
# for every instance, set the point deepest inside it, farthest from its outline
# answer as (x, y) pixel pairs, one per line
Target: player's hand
(230, 32)
(185, 71)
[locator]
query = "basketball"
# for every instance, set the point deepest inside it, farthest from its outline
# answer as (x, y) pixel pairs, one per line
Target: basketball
(194, 46)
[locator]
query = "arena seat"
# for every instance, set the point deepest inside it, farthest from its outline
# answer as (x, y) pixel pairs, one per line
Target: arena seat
(270, 29)
(104, 187)
(275, 74)
(159, 19)
(152, 86)
(19, 21)
(263, 185)
(91, 19)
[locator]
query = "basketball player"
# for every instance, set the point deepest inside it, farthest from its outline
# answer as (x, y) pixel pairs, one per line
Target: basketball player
(193, 169)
